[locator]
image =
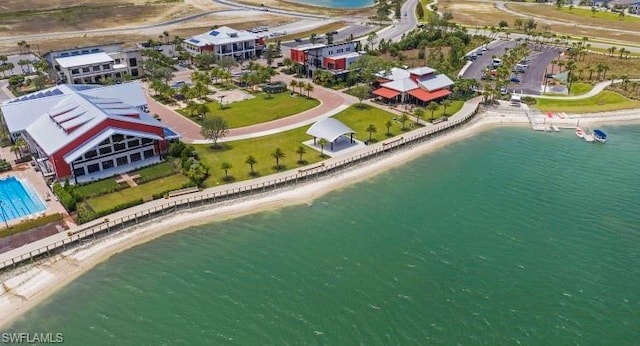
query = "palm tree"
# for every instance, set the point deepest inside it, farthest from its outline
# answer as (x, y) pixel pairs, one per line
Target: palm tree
(445, 103)
(388, 124)
(322, 142)
(433, 106)
(308, 87)
(278, 154)
(371, 129)
(301, 151)
(605, 68)
(251, 161)
(18, 146)
(293, 84)
(418, 112)
(403, 120)
(226, 166)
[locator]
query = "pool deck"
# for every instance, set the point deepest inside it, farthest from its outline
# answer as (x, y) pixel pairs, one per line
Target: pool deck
(34, 179)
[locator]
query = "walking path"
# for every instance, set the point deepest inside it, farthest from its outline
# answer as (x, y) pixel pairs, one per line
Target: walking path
(593, 92)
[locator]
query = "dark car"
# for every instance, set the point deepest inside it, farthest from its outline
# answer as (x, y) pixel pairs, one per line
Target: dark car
(514, 79)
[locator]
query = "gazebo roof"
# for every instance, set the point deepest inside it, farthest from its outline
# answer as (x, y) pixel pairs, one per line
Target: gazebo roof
(329, 129)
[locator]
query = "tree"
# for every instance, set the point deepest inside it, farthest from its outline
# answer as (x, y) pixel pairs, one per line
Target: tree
(226, 166)
(605, 68)
(371, 129)
(432, 106)
(227, 62)
(361, 92)
(214, 128)
(278, 154)
(251, 161)
(503, 24)
(388, 124)
(197, 173)
(308, 88)
(293, 84)
(403, 120)
(301, 151)
(445, 103)
(418, 112)
(322, 142)
(18, 147)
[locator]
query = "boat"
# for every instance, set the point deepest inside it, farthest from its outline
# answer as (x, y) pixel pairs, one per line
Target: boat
(599, 135)
(579, 132)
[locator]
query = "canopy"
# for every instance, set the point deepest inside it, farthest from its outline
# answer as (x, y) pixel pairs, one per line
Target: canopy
(386, 93)
(329, 129)
(426, 96)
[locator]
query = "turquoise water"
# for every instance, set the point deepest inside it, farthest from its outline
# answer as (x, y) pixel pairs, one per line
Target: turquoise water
(17, 200)
(336, 3)
(508, 237)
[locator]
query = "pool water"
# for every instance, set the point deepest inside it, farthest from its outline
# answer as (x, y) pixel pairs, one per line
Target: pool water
(17, 200)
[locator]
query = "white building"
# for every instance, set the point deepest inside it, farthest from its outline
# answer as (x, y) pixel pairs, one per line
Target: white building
(225, 41)
(92, 64)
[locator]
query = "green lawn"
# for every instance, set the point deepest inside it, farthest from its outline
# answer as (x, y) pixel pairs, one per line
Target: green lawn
(236, 154)
(586, 13)
(154, 172)
(580, 89)
(98, 188)
(260, 109)
(604, 101)
(358, 119)
(141, 191)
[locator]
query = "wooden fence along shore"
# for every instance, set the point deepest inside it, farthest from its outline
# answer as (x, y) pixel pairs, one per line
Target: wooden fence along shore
(107, 226)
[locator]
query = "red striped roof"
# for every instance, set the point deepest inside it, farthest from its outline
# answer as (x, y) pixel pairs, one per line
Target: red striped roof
(426, 96)
(386, 93)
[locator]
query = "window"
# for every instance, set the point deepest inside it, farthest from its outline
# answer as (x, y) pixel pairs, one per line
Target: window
(64, 54)
(146, 141)
(75, 71)
(105, 150)
(148, 153)
(79, 171)
(96, 68)
(85, 52)
(136, 157)
(85, 69)
(107, 164)
(119, 146)
(134, 72)
(348, 49)
(105, 142)
(117, 61)
(133, 62)
(106, 66)
(93, 168)
(122, 160)
(117, 138)
(89, 154)
(133, 143)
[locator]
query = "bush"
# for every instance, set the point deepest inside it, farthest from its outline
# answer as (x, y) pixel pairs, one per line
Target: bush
(65, 195)
(29, 224)
(16, 80)
(528, 100)
(4, 165)
(176, 148)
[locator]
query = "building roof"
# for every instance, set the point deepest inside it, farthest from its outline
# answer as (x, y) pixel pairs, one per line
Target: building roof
(221, 35)
(84, 59)
(402, 85)
(309, 46)
(329, 129)
(624, 2)
(426, 96)
(394, 74)
(343, 56)
(435, 82)
(386, 93)
(23, 111)
(421, 71)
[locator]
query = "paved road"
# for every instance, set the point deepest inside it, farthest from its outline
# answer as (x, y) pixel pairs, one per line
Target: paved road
(497, 48)
(406, 23)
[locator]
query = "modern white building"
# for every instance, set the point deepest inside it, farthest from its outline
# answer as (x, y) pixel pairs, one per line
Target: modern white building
(336, 57)
(92, 64)
(225, 41)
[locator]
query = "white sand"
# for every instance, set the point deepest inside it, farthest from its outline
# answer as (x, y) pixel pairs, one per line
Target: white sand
(27, 286)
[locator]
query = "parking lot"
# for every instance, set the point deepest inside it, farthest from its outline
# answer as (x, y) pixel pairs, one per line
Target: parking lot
(531, 81)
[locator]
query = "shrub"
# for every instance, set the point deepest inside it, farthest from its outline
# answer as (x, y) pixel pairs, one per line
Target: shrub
(176, 148)
(4, 165)
(16, 80)
(65, 195)
(27, 225)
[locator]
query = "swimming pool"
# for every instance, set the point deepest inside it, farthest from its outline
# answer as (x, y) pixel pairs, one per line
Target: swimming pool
(18, 200)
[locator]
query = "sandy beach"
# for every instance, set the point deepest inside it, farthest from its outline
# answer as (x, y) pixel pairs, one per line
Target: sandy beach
(27, 286)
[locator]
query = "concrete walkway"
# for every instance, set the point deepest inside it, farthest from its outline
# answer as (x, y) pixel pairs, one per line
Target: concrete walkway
(596, 90)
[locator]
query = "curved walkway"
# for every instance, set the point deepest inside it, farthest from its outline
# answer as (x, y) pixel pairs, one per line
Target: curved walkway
(599, 87)
(331, 102)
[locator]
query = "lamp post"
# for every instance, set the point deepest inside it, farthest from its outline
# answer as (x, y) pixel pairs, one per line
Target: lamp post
(4, 218)
(221, 97)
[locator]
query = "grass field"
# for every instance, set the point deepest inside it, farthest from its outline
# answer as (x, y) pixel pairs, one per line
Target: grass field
(141, 191)
(580, 89)
(358, 119)
(154, 172)
(97, 188)
(260, 109)
(236, 153)
(604, 101)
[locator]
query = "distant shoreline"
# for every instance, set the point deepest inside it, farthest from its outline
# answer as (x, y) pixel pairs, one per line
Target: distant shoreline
(30, 285)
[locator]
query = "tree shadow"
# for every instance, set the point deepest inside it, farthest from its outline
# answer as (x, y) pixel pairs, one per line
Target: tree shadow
(254, 174)
(302, 162)
(279, 167)
(221, 147)
(389, 134)
(229, 179)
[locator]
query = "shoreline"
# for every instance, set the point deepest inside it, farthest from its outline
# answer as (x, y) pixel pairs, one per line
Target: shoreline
(27, 286)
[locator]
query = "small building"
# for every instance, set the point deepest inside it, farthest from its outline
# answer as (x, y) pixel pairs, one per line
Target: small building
(225, 41)
(92, 64)
(633, 6)
(336, 57)
(330, 129)
(418, 85)
(87, 132)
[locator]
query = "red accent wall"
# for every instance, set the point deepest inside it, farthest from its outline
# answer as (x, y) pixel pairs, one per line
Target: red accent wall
(297, 55)
(338, 64)
(64, 170)
(207, 48)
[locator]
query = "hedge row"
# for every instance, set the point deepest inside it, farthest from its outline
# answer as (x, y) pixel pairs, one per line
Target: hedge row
(29, 224)
(65, 195)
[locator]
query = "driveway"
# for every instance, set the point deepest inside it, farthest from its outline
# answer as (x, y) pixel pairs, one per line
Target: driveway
(533, 77)
(496, 48)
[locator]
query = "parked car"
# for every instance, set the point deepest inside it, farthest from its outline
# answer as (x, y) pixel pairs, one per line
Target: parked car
(514, 79)
(503, 90)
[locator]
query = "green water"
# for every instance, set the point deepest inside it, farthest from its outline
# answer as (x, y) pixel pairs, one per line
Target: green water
(508, 237)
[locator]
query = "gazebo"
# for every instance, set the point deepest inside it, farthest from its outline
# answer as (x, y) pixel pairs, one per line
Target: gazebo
(330, 129)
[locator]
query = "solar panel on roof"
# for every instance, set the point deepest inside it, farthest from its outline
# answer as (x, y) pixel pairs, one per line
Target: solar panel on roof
(194, 40)
(214, 33)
